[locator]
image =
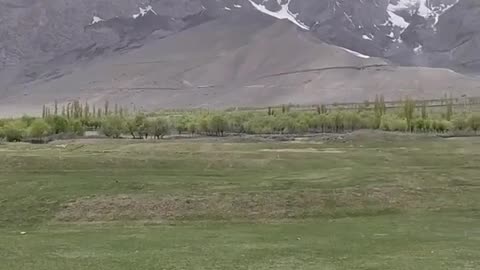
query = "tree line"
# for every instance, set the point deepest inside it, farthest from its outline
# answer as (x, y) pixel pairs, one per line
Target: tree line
(76, 118)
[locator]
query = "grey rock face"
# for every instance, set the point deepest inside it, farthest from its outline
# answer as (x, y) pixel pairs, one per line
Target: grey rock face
(442, 33)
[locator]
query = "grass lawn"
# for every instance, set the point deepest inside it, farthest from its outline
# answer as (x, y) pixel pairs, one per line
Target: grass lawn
(371, 201)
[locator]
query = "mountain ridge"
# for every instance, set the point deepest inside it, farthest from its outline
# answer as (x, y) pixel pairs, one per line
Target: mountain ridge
(173, 46)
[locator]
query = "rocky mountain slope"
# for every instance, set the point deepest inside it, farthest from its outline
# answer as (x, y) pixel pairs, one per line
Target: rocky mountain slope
(192, 53)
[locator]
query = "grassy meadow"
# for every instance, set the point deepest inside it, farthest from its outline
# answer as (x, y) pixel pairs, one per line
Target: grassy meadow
(367, 200)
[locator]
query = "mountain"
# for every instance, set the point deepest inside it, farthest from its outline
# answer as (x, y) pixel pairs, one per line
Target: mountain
(209, 53)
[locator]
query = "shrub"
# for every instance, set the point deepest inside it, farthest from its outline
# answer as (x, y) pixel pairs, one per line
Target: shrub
(28, 120)
(418, 124)
(460, 122)
(58, 124)
(260, 124)
(393, 123)
(113, 126)
(351, 121)
(442, 125)
(76, 127)
(368, 120)
(14, 131)
(317, 122)
(237, 121)
(39, 129)
(474, 122)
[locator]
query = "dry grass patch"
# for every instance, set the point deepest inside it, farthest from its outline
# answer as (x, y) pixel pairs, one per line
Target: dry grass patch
(248, 206)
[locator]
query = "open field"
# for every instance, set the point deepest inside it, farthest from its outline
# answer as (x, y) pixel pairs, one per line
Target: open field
(368, 201)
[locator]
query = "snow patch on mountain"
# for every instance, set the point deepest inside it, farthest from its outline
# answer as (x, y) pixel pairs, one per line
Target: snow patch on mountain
(367, 37)
(437, 11)
(357, 54)
(96, 19)
(395, 19)
(144, 11)
(422, 8)
(420, 5)
(418, 49)
(283, 13)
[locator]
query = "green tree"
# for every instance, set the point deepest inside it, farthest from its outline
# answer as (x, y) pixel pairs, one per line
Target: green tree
(76, 127)
(136, 125)
(424, 110)
(217, 124)
(58, 124)
(39, 129)
(449, 112)
(159, 127)
(106, 108)
(113, 126)
(181, 123)
(192, 127)
(203, 124)
(409, 110)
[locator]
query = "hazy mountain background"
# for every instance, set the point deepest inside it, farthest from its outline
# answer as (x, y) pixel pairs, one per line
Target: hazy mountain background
(221, 53)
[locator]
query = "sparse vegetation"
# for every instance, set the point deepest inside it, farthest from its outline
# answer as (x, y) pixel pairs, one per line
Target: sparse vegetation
(410, 116)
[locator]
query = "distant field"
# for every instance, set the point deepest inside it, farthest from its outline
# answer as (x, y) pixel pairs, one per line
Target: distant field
(367, 201)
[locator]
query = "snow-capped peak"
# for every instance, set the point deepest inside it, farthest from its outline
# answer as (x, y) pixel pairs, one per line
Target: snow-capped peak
(144, 11)
(96, 19)
(422, 8)
(420, 5)
(283, 13)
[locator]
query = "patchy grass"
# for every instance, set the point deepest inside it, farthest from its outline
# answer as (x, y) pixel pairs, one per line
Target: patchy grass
(379, 202)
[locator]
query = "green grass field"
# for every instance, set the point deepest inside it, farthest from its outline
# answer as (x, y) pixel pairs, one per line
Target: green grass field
(370, 201)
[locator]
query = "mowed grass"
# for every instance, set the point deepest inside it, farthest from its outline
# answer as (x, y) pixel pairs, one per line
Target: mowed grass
(371, 201)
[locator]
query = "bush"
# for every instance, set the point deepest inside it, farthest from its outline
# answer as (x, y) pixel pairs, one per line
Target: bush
(113, 126)
(393, 123)
(28, 120)
(237, 121)
(76, 127)
(260, 124)
(58, 124)
(419, 124)
(460, 122)
(474, 122)
(39, 129)
(368, 121)
(14, 131)
(442, 125)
